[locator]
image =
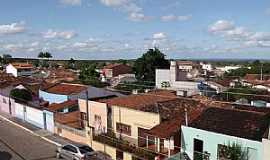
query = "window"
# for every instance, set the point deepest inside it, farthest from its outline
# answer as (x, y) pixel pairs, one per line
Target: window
(123, 128)
(59, 130)
(85, 149)
(198, 149)
(119, 155)
(70, 148)
(4, 101)
(97, 118)
(84, 116)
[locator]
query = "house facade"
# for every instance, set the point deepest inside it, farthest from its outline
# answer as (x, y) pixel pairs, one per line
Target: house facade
(180, 76)
(61, 92)
(216, 128)
(114, 70)
(19, 69)
(122, 117)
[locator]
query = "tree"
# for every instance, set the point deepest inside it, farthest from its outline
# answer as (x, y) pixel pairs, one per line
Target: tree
(146, 65)
(71, 64)
(6, 58)
(44, 55)
(122, 61)
(21, 95)
(232, 151)
(89, 76)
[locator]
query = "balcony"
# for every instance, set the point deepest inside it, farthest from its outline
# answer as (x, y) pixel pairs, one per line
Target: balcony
(111, 140)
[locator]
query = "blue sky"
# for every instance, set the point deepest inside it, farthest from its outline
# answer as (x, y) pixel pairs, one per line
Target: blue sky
(114, 29)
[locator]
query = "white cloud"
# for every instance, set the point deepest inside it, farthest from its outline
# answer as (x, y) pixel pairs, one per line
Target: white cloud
(260, 36)
(71, 2)
(135, 13)
(240, 34)
(160, 35)
(114, 3)
(221, 26)
(184, 18)
(12, 28)
(172, 17)
(59, 34)
(134, 16)
(34, 44)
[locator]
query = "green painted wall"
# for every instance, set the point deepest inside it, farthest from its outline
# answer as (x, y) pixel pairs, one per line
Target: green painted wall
(211, 141)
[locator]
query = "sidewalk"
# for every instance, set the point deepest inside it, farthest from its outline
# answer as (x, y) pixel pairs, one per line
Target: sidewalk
(44, 134)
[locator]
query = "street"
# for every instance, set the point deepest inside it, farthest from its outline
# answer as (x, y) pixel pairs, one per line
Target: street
(18, 144)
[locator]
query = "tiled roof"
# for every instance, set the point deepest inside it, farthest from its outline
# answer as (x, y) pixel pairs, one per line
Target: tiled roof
(239, 123)
(111, 66)
(252, 108)
(22, 65)
(173, 115)
(138, 101)
(71, 119)
(65, 88)
(66, 104)
(256, 77)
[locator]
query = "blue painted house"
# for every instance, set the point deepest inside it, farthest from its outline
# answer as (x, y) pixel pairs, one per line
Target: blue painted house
(62, 92)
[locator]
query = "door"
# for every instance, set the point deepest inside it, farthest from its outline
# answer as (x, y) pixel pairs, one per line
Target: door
(198, 149)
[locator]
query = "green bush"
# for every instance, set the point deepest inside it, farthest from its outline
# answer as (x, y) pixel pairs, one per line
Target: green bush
(21, 95)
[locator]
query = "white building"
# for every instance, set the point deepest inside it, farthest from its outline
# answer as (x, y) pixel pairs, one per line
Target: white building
(228, 68)
(207, 66)
(178, 78)
(19, 69)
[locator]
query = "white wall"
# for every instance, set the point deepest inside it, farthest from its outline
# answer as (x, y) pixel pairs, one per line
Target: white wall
(12, 70)
(266, 149)
(35, 116)
(162, 75)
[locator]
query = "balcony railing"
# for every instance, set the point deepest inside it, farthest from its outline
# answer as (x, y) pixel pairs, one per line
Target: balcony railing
(111, 140)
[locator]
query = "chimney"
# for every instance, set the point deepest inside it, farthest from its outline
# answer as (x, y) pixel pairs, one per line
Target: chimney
(186, 117)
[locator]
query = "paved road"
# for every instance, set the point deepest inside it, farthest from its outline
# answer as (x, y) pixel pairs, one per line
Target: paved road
(18, 144)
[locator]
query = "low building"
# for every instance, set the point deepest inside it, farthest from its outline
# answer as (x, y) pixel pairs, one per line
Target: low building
(19, 69)
(216, 128)
(257, 81)
(61, 92)
(180, 76)
(161, 110)
(114, 70)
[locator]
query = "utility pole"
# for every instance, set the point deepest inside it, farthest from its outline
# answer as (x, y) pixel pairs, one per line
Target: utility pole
(87, 108)
(261, 71)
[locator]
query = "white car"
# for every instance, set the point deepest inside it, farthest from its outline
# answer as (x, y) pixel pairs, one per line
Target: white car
(74, 152)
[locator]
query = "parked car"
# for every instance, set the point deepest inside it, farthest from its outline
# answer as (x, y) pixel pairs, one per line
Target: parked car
(98, 155)
(74, 152)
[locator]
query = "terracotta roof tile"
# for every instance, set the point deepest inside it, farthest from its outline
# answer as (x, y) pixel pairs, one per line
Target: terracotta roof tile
(66, 89)
(66, 104)
(239, 123)
(72, 119)
(137, 101)
(173, 115)
(22, 65)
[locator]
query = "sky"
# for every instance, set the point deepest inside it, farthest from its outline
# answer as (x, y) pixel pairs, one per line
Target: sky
(125, 29)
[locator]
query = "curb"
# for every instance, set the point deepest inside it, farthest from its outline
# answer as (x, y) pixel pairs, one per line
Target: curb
(30, 131)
